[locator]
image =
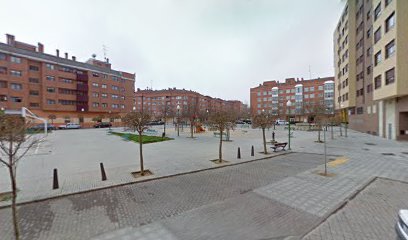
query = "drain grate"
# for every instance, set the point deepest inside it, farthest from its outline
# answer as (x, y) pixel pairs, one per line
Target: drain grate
(388, 154)
(370, 144)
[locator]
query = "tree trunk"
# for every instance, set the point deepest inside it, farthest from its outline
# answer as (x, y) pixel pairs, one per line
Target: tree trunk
(13, 201)
(318, 130)
(220, 149)
(332, 134)
(141, 154)
(164, 126)
(191, 130)
(264, 140)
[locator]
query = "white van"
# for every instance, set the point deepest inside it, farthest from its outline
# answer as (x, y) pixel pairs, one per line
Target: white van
(281, 122)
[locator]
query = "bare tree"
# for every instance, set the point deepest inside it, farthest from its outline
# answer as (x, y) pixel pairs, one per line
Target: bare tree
(263, 121)
(52, 117)
(222, 121)
(138, 121)
(14, 144)
(318, 113)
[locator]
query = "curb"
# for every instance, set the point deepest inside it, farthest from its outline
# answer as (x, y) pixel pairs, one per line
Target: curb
(144, 180)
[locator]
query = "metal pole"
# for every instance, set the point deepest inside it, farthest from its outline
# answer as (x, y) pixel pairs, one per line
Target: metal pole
(325, 153)
(289, 134)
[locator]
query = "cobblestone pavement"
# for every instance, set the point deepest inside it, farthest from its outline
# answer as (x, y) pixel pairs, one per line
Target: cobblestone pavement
(371, 215)
(89, 214)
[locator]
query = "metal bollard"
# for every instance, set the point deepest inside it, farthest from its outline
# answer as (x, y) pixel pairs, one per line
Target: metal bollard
(55, 184)
(239, 153)
(252, 151)
(103, 172)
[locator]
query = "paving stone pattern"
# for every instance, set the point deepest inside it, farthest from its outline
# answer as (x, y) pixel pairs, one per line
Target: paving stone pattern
(371, 215)
(90, 214)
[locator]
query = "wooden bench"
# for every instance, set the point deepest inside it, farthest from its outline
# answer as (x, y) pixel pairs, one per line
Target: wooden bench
(279, 145)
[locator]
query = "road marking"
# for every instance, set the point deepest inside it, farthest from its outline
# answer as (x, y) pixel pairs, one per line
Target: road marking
(338, 161)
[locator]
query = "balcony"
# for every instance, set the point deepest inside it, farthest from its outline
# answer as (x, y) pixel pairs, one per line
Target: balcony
(82, 77)
(82, 87)
(82, 98)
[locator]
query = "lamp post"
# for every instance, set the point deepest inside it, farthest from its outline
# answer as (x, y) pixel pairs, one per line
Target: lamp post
(178, 120)
(110, 118)
(288, 105)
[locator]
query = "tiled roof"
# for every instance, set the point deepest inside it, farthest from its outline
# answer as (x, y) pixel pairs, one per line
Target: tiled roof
(59, 60)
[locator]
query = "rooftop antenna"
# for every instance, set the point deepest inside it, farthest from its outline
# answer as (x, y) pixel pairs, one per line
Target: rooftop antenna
(151, 84)
(105, 51)
(310, 72)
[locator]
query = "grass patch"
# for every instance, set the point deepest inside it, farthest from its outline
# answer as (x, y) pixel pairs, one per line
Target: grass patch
(145, 139)
(5, 196)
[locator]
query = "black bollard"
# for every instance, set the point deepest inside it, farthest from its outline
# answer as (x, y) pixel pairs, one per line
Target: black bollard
(239, 153)
(103, 172)
(252, 151)
(55, 184)
(273, 136)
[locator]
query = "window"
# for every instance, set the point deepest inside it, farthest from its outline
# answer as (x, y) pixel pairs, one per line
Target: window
(115, 87)
(377, 82)
(369, 52)
(66, 102)
(34, 93)
(115, 105)
(34, 105)
(369, 32)
(64, 80)
(311, 89)
(95, 85)
(390, 49)
(390, 76)
(50, 78)
(360, 110)
(387, 2)
(95, 104)
(16, 99)
(16, 86)
(390, 22)
(369, 88)
(50, 89)
(34, 68)
(3, 70)
(312, 95)
(104, 105)
(95, 74)
(2, 56)
(95, 94)
(369, 69)
(377, 35)
(115, 96)
(34, 80)
(50, 66)
(14, 59)
(377, 11)
(377, 58)
(15, 73)
(104, 86)
(3, 84)
(104, 95)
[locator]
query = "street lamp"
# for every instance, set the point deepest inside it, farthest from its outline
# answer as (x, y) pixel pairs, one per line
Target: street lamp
(134, 109)
(288, 105)
(110, 118)
(178, 120)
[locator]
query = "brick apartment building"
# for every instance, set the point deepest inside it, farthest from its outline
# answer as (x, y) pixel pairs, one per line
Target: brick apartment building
(56, 85)
(305, 95)
(371, 66)
(158, 101)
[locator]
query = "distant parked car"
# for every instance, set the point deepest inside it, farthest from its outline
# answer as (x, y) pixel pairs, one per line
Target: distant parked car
(41, 126)
(402, 224)
(247, 121)
(239, 122)
(103, 125)
(155, 123)
(70, 126)
(281, 122)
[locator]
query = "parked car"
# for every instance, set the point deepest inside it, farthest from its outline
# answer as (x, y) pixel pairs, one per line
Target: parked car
(402, 224)
(69, 126)
(41, 126)
(281, 122)
(155, 123)
(239, 122)
(102, 125)
(247, 121)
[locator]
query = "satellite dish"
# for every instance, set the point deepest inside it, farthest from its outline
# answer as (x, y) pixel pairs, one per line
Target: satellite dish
(94, 55)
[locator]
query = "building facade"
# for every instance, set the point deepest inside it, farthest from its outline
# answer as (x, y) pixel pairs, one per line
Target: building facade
(72, 91)
(370, 48)
(305, 97)
(158, 102)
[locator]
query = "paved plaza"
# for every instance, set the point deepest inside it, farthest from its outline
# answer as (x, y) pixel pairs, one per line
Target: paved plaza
(282, 196)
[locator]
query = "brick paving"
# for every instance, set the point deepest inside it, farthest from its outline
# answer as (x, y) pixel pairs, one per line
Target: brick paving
(89, 214)
(371, 215)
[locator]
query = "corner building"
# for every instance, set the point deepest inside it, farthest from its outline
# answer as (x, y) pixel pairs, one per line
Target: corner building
(370, 48)
(305, 95)
(56, 85)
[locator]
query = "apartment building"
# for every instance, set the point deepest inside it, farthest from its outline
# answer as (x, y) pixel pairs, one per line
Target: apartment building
(57, 85)
(370, 48)
(157, 102)
(305, 96)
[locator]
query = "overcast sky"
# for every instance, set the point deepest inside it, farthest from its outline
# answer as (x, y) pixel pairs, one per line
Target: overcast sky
(216, 47)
